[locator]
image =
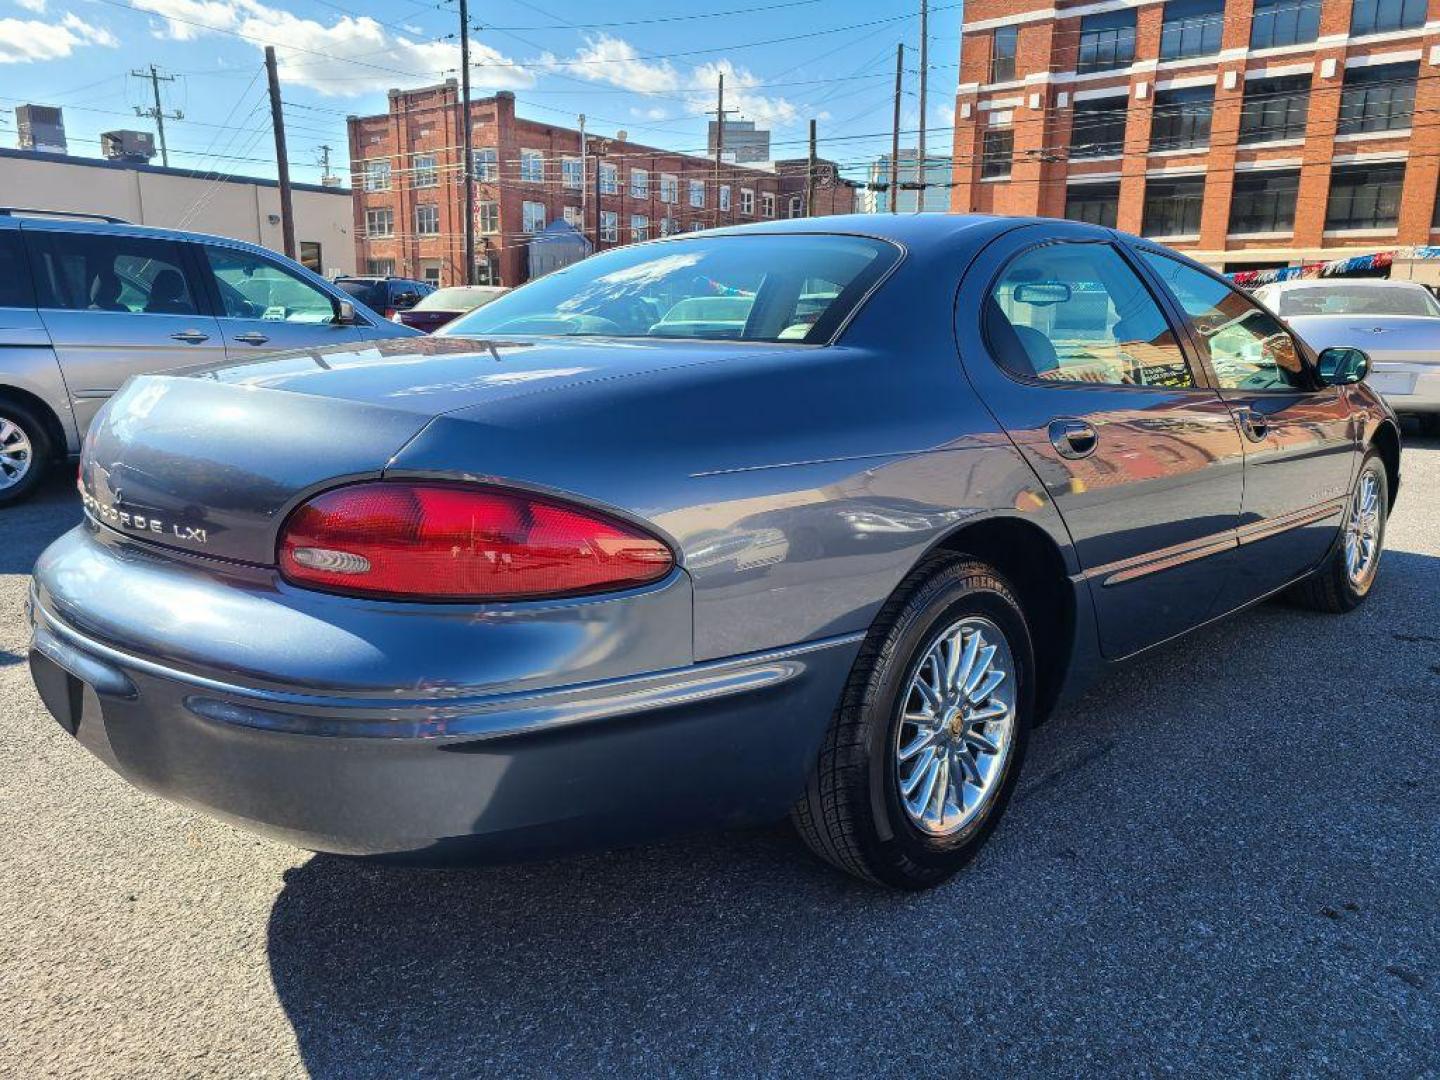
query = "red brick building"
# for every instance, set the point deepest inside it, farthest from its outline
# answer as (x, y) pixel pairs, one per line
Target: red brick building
(1248, 132)
(409, 193)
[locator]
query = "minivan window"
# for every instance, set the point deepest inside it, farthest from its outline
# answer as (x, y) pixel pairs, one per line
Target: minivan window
(255, 288)
(110, 272)
(788, 287)
(14, 275)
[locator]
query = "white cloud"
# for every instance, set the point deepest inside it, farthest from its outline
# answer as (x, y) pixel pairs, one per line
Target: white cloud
(24, 41)
(37, 6)
(351, 56)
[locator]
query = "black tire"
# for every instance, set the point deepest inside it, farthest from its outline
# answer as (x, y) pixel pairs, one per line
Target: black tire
(37, 435)
(851, 814)
(1330, 588)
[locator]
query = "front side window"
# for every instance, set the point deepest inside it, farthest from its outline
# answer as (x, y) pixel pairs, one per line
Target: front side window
(1365, 196)
(377, 175)
(1098, 126)
(1275, 108)
(1380, 16)
(1002, 56)
(424, 172)
(532, 166)
(572, 172)
(532, 217)
(741, 288)
(255, 288)
(1077, 313)
(1277, 23)
(108, 272)
(380, 222)
(997, 149)
(1107, 40)
(1181, 120)
(427, 219)
(1097, 204)
(1264, 202)
(1191, 28)
(1248, 347)
(486, 164)
(1172, 207)
(1380, 97)
(487, 216)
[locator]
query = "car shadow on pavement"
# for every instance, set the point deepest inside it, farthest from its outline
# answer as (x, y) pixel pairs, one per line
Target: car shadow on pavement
(30, 526)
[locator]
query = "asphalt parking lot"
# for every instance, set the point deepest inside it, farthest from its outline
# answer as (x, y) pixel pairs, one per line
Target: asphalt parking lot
(1225, 860)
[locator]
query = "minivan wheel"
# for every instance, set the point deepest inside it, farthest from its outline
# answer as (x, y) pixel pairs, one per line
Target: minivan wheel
(1346, 577)
(923, 753)
(24, 451)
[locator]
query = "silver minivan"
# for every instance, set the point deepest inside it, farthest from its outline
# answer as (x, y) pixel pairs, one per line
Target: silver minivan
(86, 302)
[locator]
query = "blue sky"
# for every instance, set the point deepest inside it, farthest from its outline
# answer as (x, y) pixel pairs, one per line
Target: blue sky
(643, 66)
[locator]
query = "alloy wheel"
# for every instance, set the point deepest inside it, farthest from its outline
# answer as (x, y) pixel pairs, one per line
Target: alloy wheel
(16, 453)
(1362, 530)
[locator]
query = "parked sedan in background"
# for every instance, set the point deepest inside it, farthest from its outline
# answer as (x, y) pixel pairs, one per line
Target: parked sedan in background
(387, 295)
(1396, 322)
(523, 592)
(445, 305)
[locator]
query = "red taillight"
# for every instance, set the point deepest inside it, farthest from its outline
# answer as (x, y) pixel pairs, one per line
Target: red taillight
(391, 314)
(452, 542)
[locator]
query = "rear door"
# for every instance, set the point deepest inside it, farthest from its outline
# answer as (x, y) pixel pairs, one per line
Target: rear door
(263, 306)
(1075, 356)
(117, 303)
(1301, 437)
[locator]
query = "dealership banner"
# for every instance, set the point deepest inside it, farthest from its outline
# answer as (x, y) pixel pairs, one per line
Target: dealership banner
(1356, 264)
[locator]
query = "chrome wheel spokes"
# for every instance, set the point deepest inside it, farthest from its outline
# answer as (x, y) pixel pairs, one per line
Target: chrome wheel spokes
(15, 453)
(1362, 530)
(956, 726)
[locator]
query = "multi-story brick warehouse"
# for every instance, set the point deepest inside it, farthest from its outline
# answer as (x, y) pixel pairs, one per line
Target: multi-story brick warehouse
(1246, 132)
(409, 193)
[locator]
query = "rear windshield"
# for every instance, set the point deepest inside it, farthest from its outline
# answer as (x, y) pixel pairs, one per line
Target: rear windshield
(780, 287)
(369, 293)
(456, 299)
(1358, 300)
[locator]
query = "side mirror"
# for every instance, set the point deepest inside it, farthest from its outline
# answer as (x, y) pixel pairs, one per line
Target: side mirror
(344, 312)
(1341, 365)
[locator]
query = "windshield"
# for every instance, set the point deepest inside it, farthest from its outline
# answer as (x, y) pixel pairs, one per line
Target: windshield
(1358, 300)
(781, 287)
(457, 299)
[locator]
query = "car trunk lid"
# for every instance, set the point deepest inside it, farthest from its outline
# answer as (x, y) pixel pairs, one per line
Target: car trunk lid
(1407, 339)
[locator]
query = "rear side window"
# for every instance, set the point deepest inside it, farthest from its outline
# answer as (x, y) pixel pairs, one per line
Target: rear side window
(1073, 313)
(104, 272)
(14, 274)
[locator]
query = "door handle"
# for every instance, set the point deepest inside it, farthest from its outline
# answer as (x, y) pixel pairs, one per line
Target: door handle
(254, 337)
(1073, 438)
(1255, 426)
(191, 337)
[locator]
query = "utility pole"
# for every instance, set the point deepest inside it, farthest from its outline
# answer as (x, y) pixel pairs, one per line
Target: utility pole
(584, 172)
(602, 146)
(720, 113)
(924, 174)
(895, 138)
(810, 175)
(467, 171)
(282, 160)
(324, 152)
(158, 113)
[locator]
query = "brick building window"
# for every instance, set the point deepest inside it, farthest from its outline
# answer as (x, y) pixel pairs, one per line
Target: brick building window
(1098, 204)
(609, 226)
(486, 164)
(487, 216)
(380, 222)
(1378, 16)
(667, 226)
(696, 226)
(1264, 202)
(380, 267)
(377, 175)
(797, 206)
(669, 188)
(767, 203)
(1107, 40)
(1002, 54)
(573, 217)
(639, 184)
(747, 201)
(572, 172)
(532, 217)
(997, 151)
(1275, 108)
(1191, 28)
(724, 196)
(697, 193)
(1284, 22)
(427, 219)
(424, 172)
(639, 228)
(1380, 97)
(1172, 207)
(609, 179)
(1098, 128)
(1181, 118)
(1365, 196)
(532, 166)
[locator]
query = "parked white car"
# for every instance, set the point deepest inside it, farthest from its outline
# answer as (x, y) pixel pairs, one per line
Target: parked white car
(1396, 322)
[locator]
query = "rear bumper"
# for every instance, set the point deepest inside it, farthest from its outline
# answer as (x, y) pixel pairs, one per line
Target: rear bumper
(496, 776)
(1409, 388)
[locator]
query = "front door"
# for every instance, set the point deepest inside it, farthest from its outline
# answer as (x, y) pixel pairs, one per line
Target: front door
(1076, 359)
(116, 305)
(1301, 447)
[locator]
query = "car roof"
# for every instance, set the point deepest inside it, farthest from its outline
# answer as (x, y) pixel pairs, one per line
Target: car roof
(909, 229)
(87, 225)
(1335, 283)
